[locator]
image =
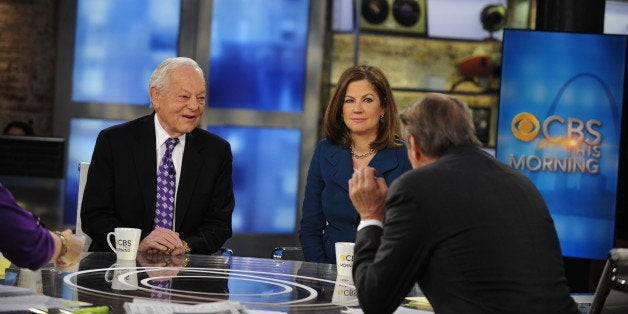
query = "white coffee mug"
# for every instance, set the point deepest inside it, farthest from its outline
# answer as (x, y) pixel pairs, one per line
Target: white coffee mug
(124, 275)
(345, 293)
(344, 258)
(127, 242)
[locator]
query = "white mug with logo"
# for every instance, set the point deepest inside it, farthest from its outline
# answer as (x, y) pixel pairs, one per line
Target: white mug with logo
(124, 275)
(345, 293)
(127, 242)
(344, 258)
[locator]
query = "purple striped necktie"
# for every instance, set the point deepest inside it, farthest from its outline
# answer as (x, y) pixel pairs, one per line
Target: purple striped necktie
(166, 188)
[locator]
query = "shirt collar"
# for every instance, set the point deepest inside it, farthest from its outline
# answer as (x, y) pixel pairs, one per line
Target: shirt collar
(161, 135)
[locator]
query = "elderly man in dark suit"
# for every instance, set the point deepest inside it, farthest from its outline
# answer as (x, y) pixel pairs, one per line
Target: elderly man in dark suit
(475, 234)
(161, 173)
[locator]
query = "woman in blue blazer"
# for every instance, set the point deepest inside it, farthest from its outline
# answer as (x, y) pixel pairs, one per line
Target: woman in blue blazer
(361, 129)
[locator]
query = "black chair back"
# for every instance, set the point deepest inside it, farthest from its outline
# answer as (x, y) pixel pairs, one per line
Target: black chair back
(611, 294)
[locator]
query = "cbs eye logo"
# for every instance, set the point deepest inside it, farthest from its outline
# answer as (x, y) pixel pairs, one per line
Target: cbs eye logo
(525, 126)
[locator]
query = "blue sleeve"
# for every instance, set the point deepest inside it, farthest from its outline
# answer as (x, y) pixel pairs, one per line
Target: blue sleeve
(313, 218)
(23, 241)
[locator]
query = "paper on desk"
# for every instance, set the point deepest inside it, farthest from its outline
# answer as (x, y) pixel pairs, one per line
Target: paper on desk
(414, 305)
(11, 291)
(399, 310)
(144, 306)
(4, 264)
(35, 301)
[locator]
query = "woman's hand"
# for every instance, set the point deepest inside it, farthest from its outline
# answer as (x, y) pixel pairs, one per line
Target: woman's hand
(68, 248)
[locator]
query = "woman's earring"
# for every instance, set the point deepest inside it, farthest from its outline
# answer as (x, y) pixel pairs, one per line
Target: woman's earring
(381, 118)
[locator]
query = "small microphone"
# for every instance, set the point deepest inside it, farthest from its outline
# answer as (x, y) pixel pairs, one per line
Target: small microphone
(171, 171)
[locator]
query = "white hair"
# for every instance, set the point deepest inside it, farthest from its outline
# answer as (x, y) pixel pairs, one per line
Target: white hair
(159, 78)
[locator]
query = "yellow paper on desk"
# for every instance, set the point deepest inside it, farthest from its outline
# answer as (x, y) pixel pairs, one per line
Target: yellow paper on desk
(4, 264)
(418, 303)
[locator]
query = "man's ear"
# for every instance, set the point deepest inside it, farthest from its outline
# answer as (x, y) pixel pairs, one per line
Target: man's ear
(416, 155)
(413, 149)
(154, 97)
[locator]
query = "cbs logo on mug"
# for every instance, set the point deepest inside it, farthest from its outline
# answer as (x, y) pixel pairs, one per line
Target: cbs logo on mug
(124, 245)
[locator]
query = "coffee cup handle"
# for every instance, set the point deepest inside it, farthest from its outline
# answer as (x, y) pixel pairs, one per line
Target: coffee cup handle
(109, 278)
(109, 240)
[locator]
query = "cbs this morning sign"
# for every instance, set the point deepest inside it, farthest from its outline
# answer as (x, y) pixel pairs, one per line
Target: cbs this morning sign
(560, 123)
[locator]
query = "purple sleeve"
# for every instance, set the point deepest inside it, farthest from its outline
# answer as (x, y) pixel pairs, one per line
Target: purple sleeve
(23, 241)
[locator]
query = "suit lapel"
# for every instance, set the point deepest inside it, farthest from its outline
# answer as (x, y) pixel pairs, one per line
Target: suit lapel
(384, 161)
(190, 169)
(145, 157)
(341, 167)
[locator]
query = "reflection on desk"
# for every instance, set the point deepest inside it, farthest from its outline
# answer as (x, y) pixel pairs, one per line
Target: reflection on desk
(257, 283)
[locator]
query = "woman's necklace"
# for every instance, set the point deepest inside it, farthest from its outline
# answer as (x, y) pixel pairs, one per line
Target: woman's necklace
(360, 156)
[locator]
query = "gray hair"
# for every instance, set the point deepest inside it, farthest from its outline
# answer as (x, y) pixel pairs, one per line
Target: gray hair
(438, 122)
(159, 78)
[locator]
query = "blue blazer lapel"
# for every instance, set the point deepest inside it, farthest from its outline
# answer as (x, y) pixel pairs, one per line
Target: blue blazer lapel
(384, 161)
(341, 167)
(145, 158)
(190, 170)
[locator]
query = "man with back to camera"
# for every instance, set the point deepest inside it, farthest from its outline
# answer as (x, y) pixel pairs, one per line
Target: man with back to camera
(191, 211)
(475, 234)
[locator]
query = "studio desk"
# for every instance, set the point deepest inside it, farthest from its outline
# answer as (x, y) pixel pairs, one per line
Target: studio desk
(257, 283)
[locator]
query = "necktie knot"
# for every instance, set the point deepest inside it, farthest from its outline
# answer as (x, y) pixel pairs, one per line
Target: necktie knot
(171, 143)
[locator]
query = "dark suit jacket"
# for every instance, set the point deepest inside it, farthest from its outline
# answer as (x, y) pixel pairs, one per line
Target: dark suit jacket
(328, 214)
(475, 235)
(121, 185)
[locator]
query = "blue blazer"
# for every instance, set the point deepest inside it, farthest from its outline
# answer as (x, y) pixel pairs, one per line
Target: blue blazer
(328, 216)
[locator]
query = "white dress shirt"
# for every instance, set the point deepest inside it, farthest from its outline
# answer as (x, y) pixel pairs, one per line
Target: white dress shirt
(370, 222)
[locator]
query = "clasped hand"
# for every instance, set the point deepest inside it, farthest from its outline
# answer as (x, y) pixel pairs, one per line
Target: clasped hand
(368, 193)
(163, 241)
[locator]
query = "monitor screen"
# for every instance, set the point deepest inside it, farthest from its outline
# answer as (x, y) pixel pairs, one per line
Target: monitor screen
(32, 156)
(559, 123)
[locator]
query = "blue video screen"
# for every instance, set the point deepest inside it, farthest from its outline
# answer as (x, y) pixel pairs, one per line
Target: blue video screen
(559, 123)
(265, 177)
(118, 43)
(258, 54)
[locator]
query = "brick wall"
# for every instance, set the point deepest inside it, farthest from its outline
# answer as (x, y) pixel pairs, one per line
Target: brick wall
(28, 36)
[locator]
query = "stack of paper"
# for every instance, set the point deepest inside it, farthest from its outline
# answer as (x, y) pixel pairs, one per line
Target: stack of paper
(12, 291)
(145, 306)
(13, 299)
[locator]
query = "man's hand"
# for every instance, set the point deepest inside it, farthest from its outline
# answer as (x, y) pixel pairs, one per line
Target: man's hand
(162, 241)
(368, 194)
